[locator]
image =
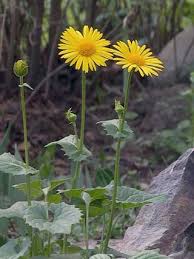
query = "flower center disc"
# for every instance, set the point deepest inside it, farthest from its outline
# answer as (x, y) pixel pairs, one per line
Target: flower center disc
(136, 59)
(87, 48)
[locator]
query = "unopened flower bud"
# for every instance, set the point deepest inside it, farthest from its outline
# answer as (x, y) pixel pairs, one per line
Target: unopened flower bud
(119, 108)
(20, 68)
(71, 117)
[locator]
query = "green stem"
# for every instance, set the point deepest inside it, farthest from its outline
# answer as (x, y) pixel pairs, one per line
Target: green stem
(64, 246)
(86, 231)
(117, 162)
(192, 117)
(103, 232)
(83, 112)
(49, 244)
(81, 142)
(76, 175)
(23, 107)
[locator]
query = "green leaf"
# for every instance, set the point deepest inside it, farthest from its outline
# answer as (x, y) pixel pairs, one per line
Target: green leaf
(94, 211)
(149, 254)
(36, 187)
(103, 176)
(57, 256)
(10, 165)
(75, 256)
(70, 147)
(100, 256)
(55, 218)
(133, 198)
(112, 128)
(16, 210)
(54, 198)
(14, 248)
(57, 182)
(95, 193)
(36, 190)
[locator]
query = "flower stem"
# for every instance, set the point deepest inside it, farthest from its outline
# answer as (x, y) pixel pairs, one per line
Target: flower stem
(49, 244)
(23, 107)
(86, 231)
(81, 142)
(192, 116)
(64, 245)
(117, 162)
(25, 130)
(83, 112)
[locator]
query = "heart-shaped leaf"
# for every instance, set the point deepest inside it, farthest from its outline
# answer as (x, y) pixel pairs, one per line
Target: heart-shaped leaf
(133, 198)
(100, 256)
(103, 176)
(36, 187)
(55, 218)
(58, 256)
(69, 145)
(94, 211)
(75, 256)
(10, 165)
(95, 193)
(14, 248)
(16, 210)
(54, 198)
(112, 128)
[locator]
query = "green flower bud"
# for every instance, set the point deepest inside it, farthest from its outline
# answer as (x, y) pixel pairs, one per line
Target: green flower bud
(20, 68)
(70, 116)
(119, 108)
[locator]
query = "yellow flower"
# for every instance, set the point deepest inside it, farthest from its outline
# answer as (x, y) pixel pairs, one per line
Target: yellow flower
(86, 50)
(137, 58)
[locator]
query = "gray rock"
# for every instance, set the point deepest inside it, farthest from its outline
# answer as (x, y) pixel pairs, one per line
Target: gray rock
(168, 226)
(182, 59)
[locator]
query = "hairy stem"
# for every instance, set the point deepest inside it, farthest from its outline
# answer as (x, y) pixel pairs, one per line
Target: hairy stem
(117, 162)
(86, 230)
(81, 142)
(64, 245)
(25, 130)
(49, 244)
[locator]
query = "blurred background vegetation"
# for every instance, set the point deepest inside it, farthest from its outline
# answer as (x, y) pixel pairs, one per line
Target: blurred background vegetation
(31, 29)
(161, 111)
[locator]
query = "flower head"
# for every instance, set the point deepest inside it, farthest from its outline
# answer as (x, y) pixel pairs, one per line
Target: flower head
(85, 50)
(137, 58)
(119, 108)
(71, 117)
(20, 68)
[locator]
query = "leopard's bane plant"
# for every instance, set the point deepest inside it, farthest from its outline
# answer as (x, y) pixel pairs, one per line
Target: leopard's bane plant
(134, 58)
(85, 50)
(21, 70)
